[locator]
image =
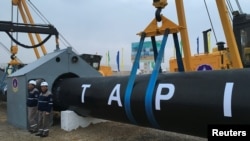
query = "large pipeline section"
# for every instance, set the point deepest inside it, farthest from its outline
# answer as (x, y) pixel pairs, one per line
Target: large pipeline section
(181, 102)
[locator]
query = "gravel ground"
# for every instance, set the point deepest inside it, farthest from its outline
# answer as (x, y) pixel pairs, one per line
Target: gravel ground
(106, 131)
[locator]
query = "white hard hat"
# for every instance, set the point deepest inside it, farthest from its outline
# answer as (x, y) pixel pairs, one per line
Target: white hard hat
(33, 82)
(44, 84)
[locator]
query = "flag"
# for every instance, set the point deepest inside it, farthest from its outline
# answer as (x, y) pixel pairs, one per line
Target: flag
(118, 60)
(197, 45)
(108, 59)
(209, 42)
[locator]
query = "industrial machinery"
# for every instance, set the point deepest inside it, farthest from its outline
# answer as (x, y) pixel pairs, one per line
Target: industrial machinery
(34, 31)
(223, 57)
(94, 60)
(184, 102)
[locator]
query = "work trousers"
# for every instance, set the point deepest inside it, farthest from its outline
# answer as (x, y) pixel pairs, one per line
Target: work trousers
(32, 118)
(43, 122)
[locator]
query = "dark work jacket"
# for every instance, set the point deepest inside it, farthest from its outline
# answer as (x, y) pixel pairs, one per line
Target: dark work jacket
(32, 98)
(45, 101)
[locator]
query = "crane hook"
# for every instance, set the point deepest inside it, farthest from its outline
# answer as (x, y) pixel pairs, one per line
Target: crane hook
(158, 14)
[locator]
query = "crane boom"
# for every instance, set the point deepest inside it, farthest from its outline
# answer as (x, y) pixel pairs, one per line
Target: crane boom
(28, 28)
(228, 31)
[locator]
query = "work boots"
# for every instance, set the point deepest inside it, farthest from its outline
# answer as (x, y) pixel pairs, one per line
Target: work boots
(33, 130)
(40, 132)
(45, 133)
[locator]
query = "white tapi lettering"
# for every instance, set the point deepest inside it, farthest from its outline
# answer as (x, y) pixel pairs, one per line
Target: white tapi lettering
(227, 103)
(159, 96)
(115, 95)
(84, 86)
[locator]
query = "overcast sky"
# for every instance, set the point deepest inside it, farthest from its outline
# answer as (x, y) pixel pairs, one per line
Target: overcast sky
(99, 26)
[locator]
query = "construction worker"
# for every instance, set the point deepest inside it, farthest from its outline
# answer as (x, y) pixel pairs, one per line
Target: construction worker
(33, 94)
(45, 104)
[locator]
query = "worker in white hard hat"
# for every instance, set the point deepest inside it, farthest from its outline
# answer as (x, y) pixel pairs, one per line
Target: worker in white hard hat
(32, 100)
(45, 105)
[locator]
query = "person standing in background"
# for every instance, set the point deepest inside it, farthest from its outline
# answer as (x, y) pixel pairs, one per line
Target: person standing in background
(45, 105)
(32, 100)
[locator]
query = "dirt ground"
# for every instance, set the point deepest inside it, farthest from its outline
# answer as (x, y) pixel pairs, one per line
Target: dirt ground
(106, 131)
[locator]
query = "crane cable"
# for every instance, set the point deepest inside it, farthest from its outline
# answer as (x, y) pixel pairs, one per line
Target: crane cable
(230, 8)
(239, 7)
(13, 55)
(12, 17)
(45, 20)
(229, 5)
(27, 46)
(210, 21)
(15, 40)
